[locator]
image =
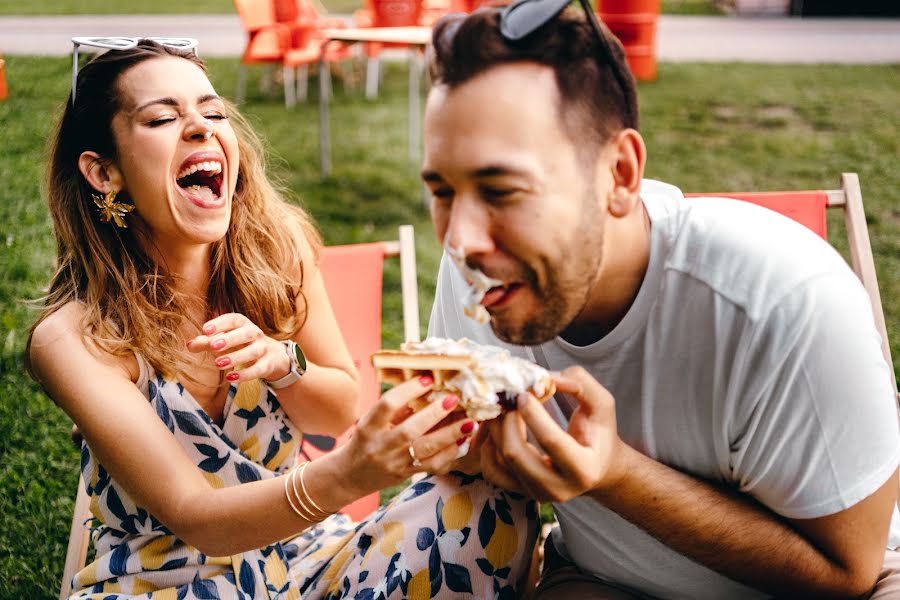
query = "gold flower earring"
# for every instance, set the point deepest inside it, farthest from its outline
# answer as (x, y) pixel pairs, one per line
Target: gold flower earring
(110, 210)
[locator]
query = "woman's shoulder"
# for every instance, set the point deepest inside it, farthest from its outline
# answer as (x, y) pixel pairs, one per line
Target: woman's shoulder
(63, 332)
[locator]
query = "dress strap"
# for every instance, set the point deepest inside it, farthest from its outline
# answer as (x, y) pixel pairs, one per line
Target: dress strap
(143, 379)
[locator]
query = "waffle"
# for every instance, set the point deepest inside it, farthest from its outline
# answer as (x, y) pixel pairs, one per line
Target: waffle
(487, 379)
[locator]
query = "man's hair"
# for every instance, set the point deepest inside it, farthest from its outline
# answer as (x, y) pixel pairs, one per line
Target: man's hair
(593, 106)
(131, 301)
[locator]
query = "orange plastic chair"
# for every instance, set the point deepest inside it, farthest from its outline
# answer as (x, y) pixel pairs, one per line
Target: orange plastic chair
(386, 13)
(267, 40)
(353, 280)
(305, 19)
(4, 91)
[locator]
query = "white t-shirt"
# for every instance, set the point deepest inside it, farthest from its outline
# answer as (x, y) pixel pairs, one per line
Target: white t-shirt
(749, 358)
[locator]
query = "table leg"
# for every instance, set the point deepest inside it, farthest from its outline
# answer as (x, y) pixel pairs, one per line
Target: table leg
(415, 116)
(324, 132)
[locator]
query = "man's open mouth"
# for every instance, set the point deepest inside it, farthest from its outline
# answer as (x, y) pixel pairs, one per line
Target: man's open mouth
(202, 181)
(498, 295)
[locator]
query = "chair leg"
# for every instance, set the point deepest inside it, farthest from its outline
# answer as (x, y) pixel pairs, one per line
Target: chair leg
(302, 82)
(290, 91)
(241, 84)
(373, 73)
(329, 91)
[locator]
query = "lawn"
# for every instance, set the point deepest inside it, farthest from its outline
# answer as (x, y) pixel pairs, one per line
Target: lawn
(708, 127)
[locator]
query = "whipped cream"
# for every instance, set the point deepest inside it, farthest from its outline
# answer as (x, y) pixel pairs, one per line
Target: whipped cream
(479, 284)
(493, 371)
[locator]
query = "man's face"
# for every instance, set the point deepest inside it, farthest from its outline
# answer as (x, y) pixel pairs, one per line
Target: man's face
(509, 191)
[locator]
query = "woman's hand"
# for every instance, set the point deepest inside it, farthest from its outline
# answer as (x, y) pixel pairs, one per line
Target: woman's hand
(378, 455)
(241, 348)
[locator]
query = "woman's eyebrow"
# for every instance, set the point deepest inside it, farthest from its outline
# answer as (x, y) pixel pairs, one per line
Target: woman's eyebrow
(169, 101)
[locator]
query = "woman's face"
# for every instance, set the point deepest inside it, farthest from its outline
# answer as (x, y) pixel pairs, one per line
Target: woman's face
(180, 179)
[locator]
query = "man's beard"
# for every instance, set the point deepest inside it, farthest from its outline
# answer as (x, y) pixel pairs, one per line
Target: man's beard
(562, 298)
(567, 286)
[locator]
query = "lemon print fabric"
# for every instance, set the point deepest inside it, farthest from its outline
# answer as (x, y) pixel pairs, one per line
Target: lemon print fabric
(455, 536)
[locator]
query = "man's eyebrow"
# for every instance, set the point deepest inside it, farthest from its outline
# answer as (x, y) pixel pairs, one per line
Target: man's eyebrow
(169, 101)
(497, 170)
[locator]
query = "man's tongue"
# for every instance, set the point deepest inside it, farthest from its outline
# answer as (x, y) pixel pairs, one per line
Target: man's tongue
(492, 296)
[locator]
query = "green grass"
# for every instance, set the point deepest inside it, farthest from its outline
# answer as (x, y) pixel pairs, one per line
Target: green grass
(708, 127)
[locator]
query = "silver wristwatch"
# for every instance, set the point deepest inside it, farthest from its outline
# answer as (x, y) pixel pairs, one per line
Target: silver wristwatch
(298, 366)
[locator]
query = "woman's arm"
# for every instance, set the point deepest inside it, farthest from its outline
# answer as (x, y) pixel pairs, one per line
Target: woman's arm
(140, 453)
(326, 399)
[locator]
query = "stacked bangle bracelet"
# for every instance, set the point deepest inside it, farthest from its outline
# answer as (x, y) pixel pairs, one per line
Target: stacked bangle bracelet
(300, 501)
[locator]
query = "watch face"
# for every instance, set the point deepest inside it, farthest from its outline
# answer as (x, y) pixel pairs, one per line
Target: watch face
(301, 358)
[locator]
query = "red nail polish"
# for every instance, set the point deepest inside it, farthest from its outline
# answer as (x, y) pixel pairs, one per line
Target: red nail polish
(232, 377)
(218, 344)
(426, 380)
(449, 402)
(467, 427)
(209, 328)
(461, 441)
(188, 343)
(223, 362)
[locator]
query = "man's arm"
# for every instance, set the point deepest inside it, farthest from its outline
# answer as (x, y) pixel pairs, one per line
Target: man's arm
(837, 556)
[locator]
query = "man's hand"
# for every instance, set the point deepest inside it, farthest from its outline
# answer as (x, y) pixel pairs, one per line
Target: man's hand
(584, 459)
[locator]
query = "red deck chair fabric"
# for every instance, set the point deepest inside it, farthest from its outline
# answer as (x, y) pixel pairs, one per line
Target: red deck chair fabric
(353, 277)
(807, 208)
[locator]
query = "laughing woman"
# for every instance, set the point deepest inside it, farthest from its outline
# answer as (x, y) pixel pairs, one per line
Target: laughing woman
(185, 287)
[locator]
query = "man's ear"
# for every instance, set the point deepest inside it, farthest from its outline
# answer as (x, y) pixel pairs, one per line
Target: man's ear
(101, 173)
(627, 170)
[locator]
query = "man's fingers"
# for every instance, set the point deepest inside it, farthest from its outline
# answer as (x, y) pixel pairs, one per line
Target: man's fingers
(493, 470)
(592, 397)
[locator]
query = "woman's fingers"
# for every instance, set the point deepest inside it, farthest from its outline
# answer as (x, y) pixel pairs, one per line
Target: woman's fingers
(394, 400)
(448, 437)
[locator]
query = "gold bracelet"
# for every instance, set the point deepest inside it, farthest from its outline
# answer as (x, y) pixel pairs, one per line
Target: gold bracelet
(288, 496)
(313, 517)
(308, 497)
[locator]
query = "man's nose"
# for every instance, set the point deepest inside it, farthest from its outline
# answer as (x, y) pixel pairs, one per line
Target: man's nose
(469, 228)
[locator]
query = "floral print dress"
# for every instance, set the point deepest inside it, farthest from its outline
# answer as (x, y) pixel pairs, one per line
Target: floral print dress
(443, 537)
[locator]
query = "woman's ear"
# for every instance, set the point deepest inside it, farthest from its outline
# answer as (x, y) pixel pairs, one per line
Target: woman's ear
(628, 170)
(101, 173)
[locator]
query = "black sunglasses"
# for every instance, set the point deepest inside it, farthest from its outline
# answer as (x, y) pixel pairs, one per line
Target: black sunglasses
(523, 17)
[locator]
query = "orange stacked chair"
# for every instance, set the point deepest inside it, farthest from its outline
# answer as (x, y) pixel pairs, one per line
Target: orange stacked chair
(4, 91)
(634, 23)
(385, 13)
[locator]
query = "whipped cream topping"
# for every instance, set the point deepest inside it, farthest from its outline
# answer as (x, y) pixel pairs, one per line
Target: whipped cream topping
(479, 284)
(493, 371)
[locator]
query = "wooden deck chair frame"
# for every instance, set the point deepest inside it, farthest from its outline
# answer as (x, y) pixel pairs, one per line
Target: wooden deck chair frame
(849, 200)
(402, 248)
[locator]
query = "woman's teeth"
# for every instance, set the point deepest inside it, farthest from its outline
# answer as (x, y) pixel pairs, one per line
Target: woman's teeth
(213, 167)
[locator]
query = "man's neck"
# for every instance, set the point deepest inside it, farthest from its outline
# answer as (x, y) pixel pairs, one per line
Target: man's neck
(626, 255)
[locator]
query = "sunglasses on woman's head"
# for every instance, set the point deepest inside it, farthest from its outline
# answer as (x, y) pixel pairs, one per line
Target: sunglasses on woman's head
(123, 43)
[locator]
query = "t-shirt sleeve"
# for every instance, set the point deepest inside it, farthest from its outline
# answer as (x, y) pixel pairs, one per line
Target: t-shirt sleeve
(814, 423)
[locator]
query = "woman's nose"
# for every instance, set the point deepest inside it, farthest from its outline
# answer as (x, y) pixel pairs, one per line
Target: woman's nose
(200, 129)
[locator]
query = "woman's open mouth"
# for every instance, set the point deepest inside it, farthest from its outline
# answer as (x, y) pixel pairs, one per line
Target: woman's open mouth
(201, 183)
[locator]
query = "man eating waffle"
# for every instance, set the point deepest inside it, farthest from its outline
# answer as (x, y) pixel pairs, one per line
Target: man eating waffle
(725, 425)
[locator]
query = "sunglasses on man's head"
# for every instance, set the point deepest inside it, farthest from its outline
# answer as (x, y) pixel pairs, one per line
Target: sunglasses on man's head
(523, 17)
(123, 43)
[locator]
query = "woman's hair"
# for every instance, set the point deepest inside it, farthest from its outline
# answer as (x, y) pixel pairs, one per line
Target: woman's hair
(130, 299)
(593, 104)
